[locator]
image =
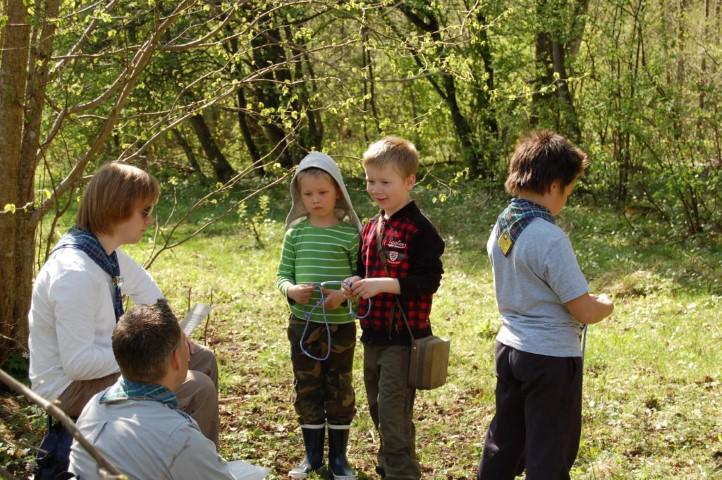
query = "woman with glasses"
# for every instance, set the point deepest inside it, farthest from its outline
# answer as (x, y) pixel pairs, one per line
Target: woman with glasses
(78, 298)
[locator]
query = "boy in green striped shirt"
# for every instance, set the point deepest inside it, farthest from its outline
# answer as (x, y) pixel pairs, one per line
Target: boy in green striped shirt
(319, 247)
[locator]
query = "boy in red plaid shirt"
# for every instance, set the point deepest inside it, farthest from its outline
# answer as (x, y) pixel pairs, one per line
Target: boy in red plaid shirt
(411, 274)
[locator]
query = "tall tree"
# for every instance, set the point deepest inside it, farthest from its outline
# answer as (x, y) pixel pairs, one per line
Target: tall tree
(67, 85)
(25, 80)
(222, 169)
(560, 27)
(425, 18)
(15, 269)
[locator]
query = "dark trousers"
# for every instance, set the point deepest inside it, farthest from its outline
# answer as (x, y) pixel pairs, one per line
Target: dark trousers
(538, 417)
(324, 389)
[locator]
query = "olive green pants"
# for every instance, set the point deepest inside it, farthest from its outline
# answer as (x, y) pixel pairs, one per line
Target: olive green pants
(391, 404)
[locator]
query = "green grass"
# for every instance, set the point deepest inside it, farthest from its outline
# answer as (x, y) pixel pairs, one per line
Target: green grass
(652, 393)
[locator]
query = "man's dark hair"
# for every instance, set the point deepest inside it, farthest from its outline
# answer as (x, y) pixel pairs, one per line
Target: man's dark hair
(542, 158)
(143, 341)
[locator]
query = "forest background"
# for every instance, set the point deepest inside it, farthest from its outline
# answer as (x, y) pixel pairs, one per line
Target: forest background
(221, 99)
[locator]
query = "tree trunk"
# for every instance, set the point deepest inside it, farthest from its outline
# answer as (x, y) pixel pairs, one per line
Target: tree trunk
(566, 102)
(13, 82)
(245, 128)
(544, 77)
(268, 50)
(188, 151)
(310, 136)
(222, 169)
(314, 138)
(469, 149)
(369, 84)
(557, 105)
(482, 98)
(26, 45)
(244, 119)
(426, 21)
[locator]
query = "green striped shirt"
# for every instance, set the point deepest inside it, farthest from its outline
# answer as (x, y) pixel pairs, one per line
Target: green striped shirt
(313, 255)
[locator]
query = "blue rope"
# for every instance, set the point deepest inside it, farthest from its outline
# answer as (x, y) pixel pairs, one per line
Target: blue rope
(322, 303)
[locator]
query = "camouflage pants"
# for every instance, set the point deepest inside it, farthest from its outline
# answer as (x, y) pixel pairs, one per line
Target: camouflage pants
(324, 389)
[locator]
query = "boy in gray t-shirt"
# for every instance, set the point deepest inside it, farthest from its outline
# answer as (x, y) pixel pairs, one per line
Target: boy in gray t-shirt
(544, 301)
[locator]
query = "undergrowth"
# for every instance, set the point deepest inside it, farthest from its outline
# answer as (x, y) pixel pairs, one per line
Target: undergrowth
(652, 393)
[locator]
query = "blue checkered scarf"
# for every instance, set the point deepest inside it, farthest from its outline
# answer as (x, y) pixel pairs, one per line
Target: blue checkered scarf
(517, 216)
(87, 242)
(124, 389)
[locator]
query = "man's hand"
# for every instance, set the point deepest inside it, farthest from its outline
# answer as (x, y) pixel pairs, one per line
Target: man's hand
(334, 298)
(301, 294)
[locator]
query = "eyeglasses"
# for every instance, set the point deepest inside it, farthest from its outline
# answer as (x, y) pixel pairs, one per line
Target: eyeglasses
(147, 211)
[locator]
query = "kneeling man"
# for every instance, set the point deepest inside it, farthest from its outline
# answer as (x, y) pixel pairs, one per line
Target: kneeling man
(136, 422)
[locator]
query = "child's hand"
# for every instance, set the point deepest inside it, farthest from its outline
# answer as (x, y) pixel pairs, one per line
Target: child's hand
(605, 301)
(603, 298)
(301, 294)
(347, 284)
(370, 287)
(589, 308)
(334, 298)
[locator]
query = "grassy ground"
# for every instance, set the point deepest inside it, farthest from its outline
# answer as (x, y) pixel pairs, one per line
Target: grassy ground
(652, 393)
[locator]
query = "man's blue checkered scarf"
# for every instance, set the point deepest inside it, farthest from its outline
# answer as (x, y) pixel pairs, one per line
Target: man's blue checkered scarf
(518, 215)
(124, 389)
(87, 242)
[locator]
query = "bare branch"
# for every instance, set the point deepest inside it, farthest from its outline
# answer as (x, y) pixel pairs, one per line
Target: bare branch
(167, 245)
(136, 67)
(199, 41)
(71, 53)
(59, 415)
(165, 124)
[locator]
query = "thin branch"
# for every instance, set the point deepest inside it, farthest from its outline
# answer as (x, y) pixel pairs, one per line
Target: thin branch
(137, 66)
(53, 410)
(90, 6)
(168, 245)
(71, 53)
(199, 41)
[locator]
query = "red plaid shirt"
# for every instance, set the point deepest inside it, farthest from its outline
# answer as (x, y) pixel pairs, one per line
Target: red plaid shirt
(413, 250)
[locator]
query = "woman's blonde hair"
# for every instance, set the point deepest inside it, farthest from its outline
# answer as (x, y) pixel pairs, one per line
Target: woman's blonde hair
(112, 194)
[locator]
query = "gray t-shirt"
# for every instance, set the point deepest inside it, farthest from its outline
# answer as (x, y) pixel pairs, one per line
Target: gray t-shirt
(532, 284)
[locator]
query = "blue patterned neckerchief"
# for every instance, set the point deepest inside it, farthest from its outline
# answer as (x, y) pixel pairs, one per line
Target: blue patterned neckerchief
(124, 389)
(88, 243)
(515, 218)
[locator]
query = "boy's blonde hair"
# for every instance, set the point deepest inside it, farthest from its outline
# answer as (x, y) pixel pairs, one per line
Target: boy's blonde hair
(112, 194)
(395, 151)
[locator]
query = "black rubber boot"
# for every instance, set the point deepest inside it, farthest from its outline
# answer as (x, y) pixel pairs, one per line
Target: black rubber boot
(337, 462)
(313, 441)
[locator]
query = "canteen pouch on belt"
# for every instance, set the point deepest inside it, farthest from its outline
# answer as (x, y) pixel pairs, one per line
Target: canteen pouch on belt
(429, 362)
